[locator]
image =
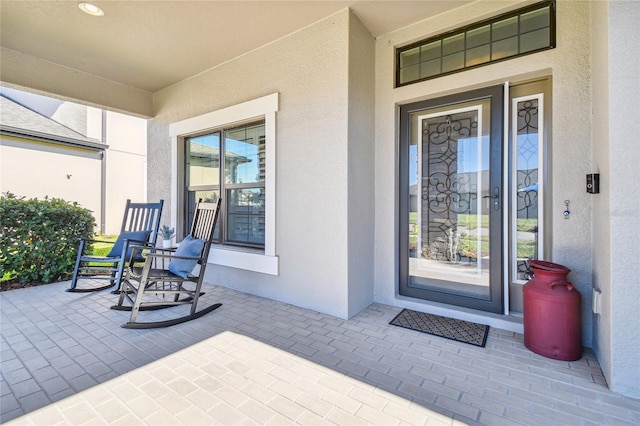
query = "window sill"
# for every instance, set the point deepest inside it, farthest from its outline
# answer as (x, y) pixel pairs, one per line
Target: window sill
(247, 260)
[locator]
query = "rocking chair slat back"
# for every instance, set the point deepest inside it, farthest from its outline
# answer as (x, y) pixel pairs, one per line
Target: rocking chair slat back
(202, 222)
(142, 217)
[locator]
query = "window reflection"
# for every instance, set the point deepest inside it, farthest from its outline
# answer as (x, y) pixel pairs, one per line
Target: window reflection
(245, 155)
(240, 154)
(203, 160)
(246, 215)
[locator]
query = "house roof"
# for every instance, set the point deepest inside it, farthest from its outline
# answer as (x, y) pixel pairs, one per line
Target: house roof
(17, 120)
(205, 151)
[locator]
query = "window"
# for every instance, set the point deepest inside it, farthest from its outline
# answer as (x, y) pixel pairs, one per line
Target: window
(518, 33)
(230, 153)
(230, 162)
(529, 178)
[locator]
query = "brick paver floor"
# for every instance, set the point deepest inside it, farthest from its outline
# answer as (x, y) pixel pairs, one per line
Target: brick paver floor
(66, 360)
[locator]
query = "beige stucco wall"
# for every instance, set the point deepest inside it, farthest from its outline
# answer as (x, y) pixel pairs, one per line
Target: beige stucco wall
(310, 71)
(126, 166)
(601, 164)
(624, 161)
(568, 65)
(361, 173)
(616, 156)
(37, 169)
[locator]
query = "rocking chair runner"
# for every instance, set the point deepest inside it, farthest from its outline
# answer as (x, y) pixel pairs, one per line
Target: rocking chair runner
(139, 227)
(166, 278)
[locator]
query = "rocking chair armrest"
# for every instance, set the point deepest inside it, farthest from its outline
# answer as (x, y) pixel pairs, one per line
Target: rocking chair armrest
(167, 250)
(137, 249)
(141, 245)
(154, 260)
(171, 256)
(138, 243)
(150, 246)
(148, 257)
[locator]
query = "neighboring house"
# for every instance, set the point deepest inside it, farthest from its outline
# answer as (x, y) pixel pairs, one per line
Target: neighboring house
(44, 151)
(337, 196)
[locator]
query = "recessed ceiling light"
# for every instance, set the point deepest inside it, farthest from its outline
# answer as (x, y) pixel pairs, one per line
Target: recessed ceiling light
(91, 9)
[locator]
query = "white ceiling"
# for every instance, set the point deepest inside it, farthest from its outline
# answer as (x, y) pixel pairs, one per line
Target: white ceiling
(151, 44)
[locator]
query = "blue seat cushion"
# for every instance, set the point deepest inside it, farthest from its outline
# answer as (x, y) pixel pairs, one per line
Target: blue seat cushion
(135, 236)
(189, 247)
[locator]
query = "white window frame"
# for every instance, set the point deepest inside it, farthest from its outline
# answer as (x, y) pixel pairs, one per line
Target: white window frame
(265, 108)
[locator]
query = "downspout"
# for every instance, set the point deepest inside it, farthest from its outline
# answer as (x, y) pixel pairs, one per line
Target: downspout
(103, 175)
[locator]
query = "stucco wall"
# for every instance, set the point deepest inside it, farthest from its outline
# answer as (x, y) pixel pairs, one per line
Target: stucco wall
(568, 65)
(126, 166)
(601, 164)
(361, 220)
(158, 170)
(619, 339)
(309, 70)
(19, 158)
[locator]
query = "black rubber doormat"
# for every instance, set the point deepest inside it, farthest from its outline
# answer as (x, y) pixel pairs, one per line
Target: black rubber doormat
(449, 328)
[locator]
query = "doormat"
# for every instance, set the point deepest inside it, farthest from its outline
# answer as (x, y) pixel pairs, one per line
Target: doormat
(449, 328)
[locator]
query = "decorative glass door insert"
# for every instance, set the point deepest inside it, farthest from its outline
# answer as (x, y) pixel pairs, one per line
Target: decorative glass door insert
(452, 178)
(527, 223)
(451, 236)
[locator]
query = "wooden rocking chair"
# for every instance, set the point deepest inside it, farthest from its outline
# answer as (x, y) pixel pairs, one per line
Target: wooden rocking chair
(167, 277)
(139, 227)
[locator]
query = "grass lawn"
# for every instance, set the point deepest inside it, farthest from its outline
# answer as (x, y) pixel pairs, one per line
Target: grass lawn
(469, 245)
(101, 249)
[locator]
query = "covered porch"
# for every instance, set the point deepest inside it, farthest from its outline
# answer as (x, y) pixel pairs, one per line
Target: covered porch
(65, 360)
(332, 243)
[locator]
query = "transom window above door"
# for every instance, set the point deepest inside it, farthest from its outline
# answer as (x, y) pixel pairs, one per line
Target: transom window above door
(521, 32)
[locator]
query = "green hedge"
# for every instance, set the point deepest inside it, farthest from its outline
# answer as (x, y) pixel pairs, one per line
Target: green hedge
(39, 238)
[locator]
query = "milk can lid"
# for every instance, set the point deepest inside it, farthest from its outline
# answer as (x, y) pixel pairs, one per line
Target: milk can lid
(543, 265)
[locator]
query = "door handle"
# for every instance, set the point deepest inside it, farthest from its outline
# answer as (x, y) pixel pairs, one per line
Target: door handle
(495, 197)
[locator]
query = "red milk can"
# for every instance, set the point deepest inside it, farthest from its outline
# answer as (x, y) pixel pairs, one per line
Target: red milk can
(551, 313)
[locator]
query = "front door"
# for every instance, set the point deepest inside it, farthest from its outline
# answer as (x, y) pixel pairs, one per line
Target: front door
(451, 202)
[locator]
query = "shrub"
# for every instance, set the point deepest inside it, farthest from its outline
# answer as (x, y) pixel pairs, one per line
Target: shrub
(39, 238)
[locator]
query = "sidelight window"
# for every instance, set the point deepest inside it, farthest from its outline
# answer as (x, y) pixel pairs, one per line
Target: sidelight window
(528, 186)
